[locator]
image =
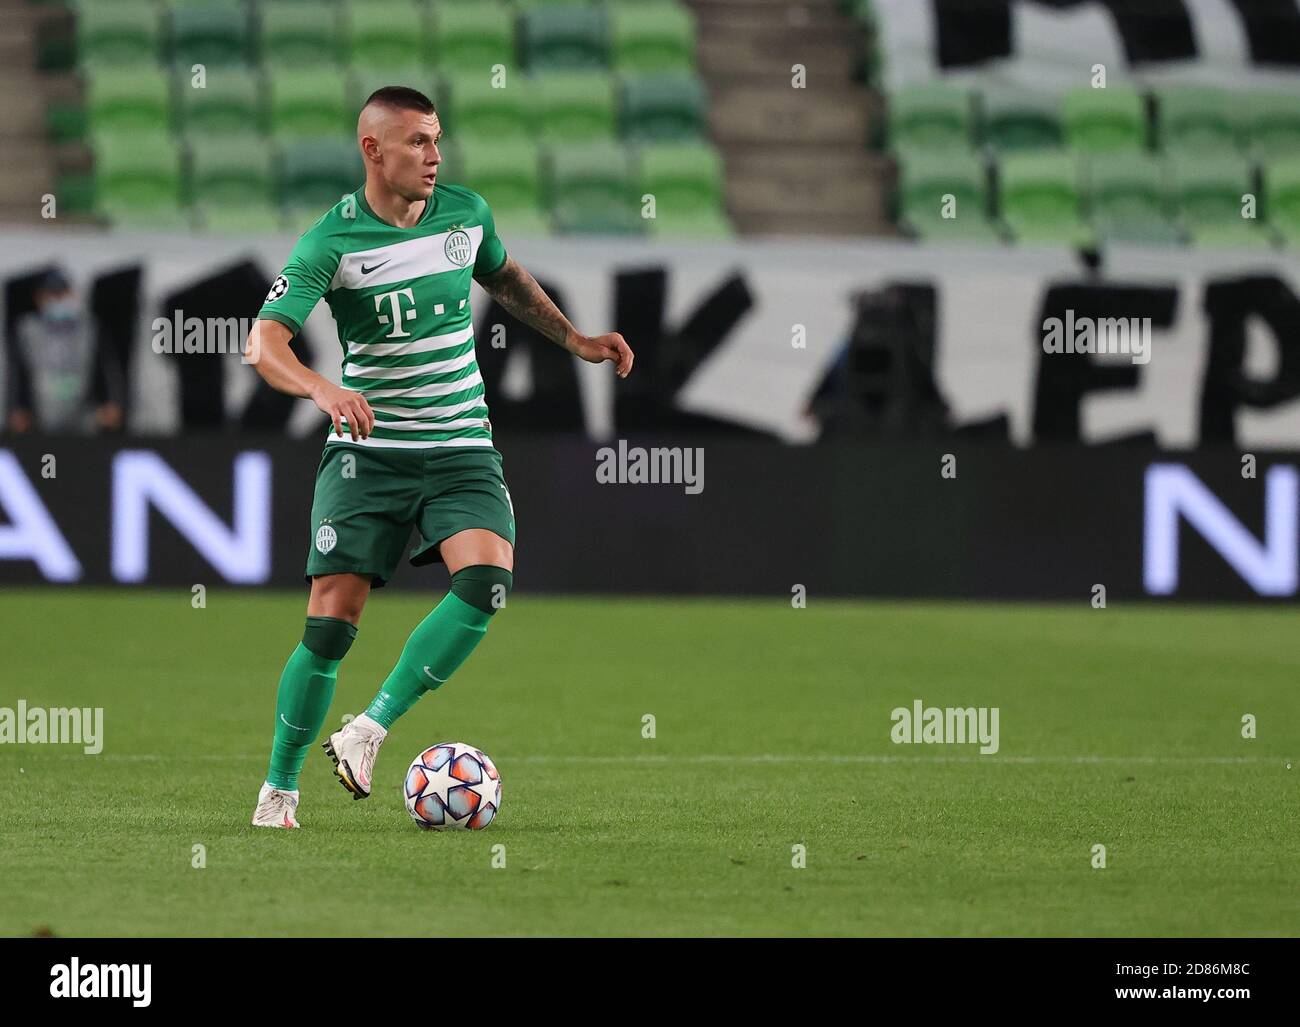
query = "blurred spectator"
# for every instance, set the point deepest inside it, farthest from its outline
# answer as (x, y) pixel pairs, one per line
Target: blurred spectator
(59, 381)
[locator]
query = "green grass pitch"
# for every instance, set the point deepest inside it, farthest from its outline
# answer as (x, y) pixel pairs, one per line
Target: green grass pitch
(1119, 727)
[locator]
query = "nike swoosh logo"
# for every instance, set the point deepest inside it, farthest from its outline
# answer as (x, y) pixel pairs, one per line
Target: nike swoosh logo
(366, 270)
(434, 676)
(294, 726)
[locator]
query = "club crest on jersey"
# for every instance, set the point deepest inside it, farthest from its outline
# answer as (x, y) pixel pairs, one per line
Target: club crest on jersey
(326, 538)
(458, 248)
(278, 288)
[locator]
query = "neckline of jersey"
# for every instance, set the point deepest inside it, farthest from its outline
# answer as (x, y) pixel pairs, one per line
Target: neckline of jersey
(364, 204)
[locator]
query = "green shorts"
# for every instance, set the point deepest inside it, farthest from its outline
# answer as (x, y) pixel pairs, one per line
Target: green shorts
(368, 499)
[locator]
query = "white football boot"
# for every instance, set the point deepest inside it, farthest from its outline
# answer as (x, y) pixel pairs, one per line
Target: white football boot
(275, 807)
(353, 748)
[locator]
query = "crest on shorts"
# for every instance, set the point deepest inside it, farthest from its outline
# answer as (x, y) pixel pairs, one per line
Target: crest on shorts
(458, 248)
(278, 288)
(326, 538)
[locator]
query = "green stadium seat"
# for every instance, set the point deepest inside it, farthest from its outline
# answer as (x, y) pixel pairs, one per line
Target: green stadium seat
(655, 37)
(1040, 198)
(1282, 198)
(663, 107)
(1209, 192)
(928, 177)
(507, 173)
(303, 32)
(212, 34)
(232, 172)
(245, 219)
(475, 108)
(138, 180)
(594, 192)
(1128, 195)
(232, 102)
(563, 38)
(1198, 119)
(1273, 121)
(388, 33)
(1020, 119)
(414, 76)
(129, 100)
(1104, 120)
(120, 33)
(471, 39)
(316, 173)
(930, 116)
(310, 102)
(686, 181)
(574, 106)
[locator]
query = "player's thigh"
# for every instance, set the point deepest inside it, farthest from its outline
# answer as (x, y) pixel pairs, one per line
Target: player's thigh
(339, 595)
(363, 509)
(467, 516)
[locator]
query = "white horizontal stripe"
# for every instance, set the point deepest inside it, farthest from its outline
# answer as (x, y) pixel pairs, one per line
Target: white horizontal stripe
(420, 391)
(398, 349)
(415, 258)
(403, 443)
(468, 422)
(452, 408)
(414, 371)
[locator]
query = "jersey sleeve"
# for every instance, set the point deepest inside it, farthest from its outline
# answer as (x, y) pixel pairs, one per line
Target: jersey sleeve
(305, 279)
(491, 251)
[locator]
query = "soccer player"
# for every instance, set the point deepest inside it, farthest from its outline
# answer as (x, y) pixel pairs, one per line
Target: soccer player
(410, 442)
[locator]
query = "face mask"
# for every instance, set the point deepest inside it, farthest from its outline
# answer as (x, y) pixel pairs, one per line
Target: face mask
(60, 310)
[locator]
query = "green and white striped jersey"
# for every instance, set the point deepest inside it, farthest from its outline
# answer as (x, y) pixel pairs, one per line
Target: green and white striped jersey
(400, 299)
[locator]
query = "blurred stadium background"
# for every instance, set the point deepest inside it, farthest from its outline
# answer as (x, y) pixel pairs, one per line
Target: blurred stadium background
(835, 232)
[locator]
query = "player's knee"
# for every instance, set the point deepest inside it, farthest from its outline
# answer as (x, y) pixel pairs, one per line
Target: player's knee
(482, 586)
(330, 638)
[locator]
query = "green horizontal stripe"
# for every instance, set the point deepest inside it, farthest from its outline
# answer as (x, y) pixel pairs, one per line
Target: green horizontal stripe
(479, 411)
(432, 358)
(360, 382)
(430, 436)
(464, 396)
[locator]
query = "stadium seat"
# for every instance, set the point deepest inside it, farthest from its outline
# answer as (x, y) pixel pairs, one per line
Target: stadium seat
(232, 172)
(302, 32)
(245, 219)
(129, 100)
(122, 33)
(213, 34)
(1104, 120)
(473, 38)
(507, 174)
(138, 180)
(1128, 197)
(1040, 198)
(930, 116)
(474, 107)
(686, 182)
(655, 37)
(1273, 121)
(1282, 198)
(927, 178)
(316, 173)
(1198, 119)
(563, 38)
(387, 33)
(663, 107)
(414, 76)
(573, 106)
(231, 103)
(1209, 191)
(310, 102)
(593, 190)
(1014, 119)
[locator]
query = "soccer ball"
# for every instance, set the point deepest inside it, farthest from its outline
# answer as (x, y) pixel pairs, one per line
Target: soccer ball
(452, 786)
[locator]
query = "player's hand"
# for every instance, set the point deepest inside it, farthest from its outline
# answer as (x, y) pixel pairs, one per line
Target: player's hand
(598, 348)
(342, 404)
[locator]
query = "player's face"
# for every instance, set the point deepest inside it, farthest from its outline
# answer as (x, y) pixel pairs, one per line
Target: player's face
(411, 156)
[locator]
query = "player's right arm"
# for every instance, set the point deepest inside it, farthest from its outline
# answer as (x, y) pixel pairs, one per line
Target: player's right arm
(268, 351)
(305, 279)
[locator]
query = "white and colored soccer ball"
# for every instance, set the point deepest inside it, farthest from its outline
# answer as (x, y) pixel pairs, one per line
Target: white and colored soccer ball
(452, 786)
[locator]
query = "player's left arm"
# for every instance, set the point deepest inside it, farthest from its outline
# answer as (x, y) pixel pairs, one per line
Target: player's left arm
(518, 292)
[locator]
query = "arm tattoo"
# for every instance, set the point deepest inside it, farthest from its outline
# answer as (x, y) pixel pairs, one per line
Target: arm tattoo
(518, 292)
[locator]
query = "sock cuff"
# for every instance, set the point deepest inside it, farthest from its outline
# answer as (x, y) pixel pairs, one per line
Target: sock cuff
(482, 586)
(330, 638)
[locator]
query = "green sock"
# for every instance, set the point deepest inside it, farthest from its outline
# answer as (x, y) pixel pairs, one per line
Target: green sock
(442, 641)
(306, 690)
